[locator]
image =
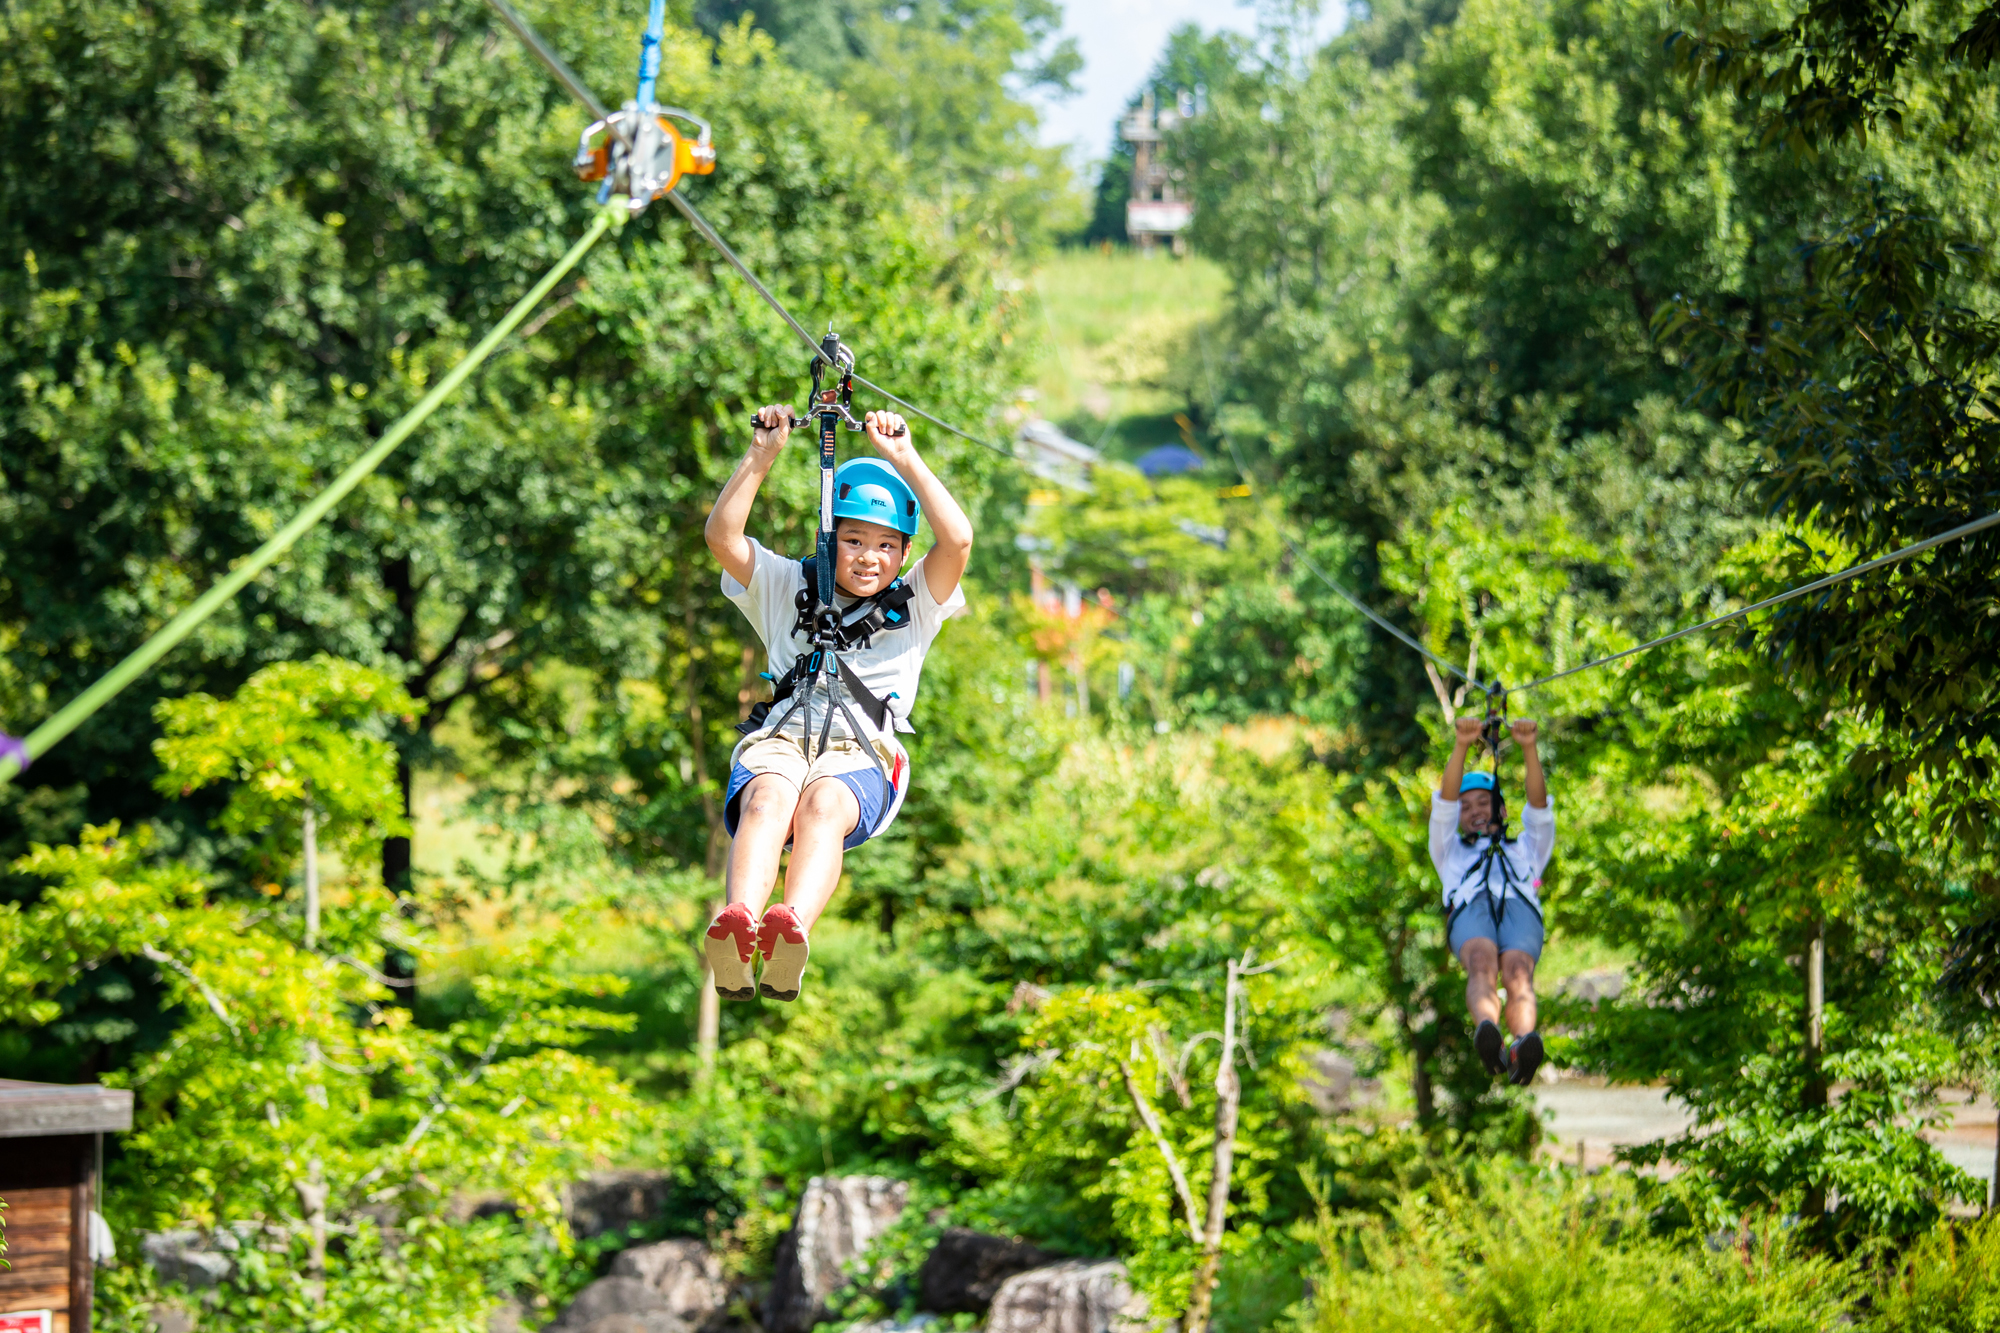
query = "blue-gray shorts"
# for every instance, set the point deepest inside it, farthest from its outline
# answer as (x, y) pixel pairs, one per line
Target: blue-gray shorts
(1519, 927)
(871, 793)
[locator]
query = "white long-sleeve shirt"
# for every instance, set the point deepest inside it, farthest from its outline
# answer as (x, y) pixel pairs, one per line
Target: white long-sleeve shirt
(1457, 864)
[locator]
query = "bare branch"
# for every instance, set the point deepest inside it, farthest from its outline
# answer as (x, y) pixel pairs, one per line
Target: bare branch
(1019, 1071)
(1187, 1051)
(1444, 695)
(214, 1000)
(440, 1103)
(1150, 1118)
(1163, 1056)
(378, 978)
(1228, 1101)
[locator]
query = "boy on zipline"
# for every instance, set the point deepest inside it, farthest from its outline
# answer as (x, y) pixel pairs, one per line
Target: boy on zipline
(1492, 894)
(825, 791)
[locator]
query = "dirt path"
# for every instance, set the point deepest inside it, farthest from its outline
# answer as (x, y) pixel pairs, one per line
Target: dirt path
(1586, 1116)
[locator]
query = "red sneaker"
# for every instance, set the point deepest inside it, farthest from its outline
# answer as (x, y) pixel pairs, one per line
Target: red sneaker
(783, 940)
(731, 943)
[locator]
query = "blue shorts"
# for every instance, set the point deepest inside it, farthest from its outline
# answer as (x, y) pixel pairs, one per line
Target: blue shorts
(1519, 928)
(870, 788)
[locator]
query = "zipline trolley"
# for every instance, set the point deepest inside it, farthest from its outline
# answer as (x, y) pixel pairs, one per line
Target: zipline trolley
(642, 156)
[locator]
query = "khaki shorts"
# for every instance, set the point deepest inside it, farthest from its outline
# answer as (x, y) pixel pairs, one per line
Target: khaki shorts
(848, 761)
(782, 755)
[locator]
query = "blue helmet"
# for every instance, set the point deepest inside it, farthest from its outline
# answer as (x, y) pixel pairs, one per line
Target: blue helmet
(1477, 781)
(872, 491)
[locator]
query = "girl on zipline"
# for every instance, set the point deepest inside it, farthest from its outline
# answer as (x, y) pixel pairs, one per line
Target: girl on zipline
(829, 789)
(1492, 893)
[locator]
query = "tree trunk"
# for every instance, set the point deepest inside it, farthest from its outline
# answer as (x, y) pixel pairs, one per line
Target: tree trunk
(309, 832)
(312, 1202)
(715, 857)
(400, 965)
(1815, 1096)
(399, 580)
(1228, 1103)
(1406, 1028)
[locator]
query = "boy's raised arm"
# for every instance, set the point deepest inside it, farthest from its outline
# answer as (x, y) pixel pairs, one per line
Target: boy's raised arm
(724, 529)
(1465, 732)
(1536, 784)
(944, 563)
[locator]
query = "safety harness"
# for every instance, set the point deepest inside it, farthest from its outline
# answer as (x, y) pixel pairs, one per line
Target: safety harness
(1496, 841)
(857, 627)
(830, 630)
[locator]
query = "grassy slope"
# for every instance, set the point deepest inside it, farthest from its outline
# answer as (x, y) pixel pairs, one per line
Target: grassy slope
(1110, 323)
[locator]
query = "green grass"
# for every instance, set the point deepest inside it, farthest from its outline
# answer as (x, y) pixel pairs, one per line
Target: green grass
(1111, 325)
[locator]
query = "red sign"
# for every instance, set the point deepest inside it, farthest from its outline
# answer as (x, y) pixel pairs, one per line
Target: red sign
(25, 1321)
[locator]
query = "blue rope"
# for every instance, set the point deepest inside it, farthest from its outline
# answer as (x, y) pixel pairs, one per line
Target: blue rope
(649, 53)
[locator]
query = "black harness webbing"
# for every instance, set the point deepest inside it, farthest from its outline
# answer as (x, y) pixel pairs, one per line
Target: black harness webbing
(885, 611)
(1495, 852)
(861, 622)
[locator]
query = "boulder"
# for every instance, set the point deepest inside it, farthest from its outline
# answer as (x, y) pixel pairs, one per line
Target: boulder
(187, 1257)
(509, 1316)
(624, 1297)
(613, 1200)
(685, 1273)
(837, 1219)
(166, 1317)
(1076, 1296)
(965, 1268)
(914, 1324)
(635, 1323)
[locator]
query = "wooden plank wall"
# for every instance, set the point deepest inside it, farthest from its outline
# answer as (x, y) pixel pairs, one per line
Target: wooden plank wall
(47, 1185)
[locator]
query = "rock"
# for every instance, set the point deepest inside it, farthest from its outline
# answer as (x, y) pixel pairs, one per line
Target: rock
(1330, 1085)
(1606, 983)
(914, 1324)
(657, 1322)
(685, 1273)
(509, 1316)
(1076, 1296)
(185, 1257)
(837, 1218)
(613, 1200)
(623, 1296)
(965, 1268)
(166, 1317)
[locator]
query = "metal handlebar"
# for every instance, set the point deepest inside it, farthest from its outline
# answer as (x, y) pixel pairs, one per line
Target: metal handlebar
(794, 421)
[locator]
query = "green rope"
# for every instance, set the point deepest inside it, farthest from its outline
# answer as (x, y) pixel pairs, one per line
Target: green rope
(39, 741)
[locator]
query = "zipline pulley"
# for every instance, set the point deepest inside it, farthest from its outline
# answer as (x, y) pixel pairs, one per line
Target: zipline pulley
(643, 156)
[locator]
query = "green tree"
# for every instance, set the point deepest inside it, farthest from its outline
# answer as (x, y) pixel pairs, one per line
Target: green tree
(945, 80)
(281, 229)
(294, 744)
(1761, 860)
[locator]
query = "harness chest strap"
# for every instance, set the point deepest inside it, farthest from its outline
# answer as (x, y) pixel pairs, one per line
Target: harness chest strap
(869, 616)
(1495, 851)
(886, 610)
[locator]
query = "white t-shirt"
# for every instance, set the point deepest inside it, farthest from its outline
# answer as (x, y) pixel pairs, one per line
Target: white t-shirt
(1527, 856)
(891, 667)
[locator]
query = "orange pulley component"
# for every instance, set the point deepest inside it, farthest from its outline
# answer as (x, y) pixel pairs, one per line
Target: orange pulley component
(643, 156)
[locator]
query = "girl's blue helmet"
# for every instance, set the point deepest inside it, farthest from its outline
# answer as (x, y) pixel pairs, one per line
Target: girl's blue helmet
(872, 491)
(1477, 781)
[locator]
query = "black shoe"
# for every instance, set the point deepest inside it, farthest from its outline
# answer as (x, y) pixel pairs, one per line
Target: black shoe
(1525, 1058)
(1489, 1043)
